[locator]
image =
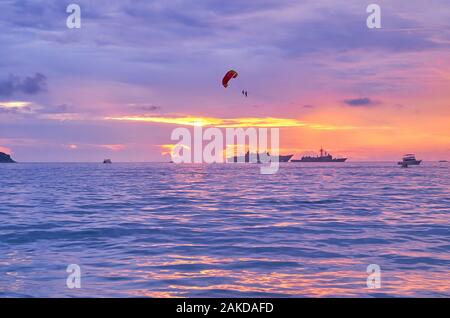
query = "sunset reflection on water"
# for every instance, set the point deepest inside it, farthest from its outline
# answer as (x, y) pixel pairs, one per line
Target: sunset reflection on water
(162, 230)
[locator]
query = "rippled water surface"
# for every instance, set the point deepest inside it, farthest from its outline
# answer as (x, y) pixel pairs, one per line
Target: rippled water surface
(163, 230)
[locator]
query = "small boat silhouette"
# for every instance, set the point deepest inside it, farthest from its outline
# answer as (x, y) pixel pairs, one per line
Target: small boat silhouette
(409, 160)
(324, 157)
(108, 161)
(256, 158)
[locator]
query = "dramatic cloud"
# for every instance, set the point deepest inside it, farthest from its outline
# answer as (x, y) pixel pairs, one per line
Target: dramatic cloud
(14, 104)
(301, 62)
(5, 150)
(58, 109)
(29, 85)
(150, 108)
(361, 102)
(15, 107)
(239, 122)
(144, 107)
(117, 147)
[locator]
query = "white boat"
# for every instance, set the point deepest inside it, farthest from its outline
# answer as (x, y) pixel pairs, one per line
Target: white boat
(409, 160)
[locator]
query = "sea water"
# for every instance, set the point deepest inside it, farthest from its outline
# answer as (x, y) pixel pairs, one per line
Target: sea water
(224, 230)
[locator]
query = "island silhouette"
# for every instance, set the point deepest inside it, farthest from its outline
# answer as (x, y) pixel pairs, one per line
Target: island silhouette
(5, 158)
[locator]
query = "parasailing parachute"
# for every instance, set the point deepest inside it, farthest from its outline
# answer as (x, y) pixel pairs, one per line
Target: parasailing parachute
(230, 74)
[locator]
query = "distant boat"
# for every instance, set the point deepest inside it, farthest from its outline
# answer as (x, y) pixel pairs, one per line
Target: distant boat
(324, 157)
(409, 160)
(108, 161)
(442, 161)
(255, 158)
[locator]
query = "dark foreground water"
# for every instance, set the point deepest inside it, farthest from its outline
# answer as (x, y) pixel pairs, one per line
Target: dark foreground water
(163, 230)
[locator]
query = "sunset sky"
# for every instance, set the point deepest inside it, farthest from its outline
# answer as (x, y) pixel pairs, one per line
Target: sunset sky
(117, 87)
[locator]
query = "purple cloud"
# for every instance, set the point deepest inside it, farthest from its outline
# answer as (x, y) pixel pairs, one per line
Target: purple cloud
(130, 55)
(361, 102)
(29, 85)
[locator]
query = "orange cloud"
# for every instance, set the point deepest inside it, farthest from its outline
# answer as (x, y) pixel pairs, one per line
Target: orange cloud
(5, 150)
(267, 122)
(168, 149)
(116, 147)
(14, 104)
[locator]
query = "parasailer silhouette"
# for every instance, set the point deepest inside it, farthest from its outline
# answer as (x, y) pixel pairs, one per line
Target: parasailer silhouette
(227, 78)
